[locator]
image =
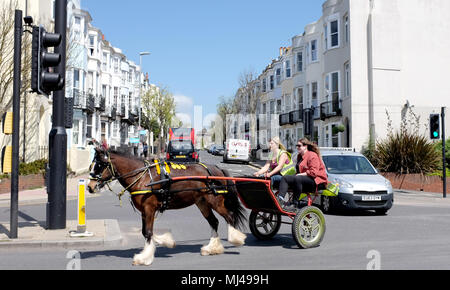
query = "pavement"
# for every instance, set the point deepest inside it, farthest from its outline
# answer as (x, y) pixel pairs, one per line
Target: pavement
(34, 234)
(107, 232)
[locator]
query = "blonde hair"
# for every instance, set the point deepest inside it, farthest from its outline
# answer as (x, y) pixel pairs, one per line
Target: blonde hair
(276, 140)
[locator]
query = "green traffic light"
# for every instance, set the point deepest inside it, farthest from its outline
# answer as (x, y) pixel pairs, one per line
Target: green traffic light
(435, 134)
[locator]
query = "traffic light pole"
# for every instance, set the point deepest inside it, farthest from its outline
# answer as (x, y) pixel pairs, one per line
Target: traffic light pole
(56, 206)
(18, 28)
(444, 167)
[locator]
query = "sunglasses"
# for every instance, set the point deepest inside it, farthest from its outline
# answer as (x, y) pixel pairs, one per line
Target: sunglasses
(298, 146)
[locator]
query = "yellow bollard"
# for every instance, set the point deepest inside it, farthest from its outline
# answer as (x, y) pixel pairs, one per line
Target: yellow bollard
(81, 212)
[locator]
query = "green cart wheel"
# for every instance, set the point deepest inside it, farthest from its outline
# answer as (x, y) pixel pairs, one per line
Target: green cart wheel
(308, 228)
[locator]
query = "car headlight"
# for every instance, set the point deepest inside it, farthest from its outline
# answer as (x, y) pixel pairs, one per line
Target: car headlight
(342, 183)
(388, 185)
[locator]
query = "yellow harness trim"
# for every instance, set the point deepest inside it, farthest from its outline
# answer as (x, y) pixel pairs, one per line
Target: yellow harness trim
(167, 168)
(158, 170)
(203, 165)
(222, 191)
(140, 192)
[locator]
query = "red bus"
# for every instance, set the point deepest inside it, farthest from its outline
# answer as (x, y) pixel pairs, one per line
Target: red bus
(182, 134)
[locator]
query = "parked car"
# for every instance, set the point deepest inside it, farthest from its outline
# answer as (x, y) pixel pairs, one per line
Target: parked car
(181, 151)
(211, 148)
(218, 150)
(237, 150)
(360, 185)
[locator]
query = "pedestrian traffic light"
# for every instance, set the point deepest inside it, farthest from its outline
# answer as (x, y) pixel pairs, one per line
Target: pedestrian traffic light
(434, 126)
(44, 79)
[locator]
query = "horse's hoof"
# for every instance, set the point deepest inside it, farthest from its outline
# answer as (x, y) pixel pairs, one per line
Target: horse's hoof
(235, 237)
(138, 260)
(214, 247)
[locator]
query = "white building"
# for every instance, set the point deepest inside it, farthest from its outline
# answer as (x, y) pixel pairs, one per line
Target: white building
(361, 62)
(103, 84)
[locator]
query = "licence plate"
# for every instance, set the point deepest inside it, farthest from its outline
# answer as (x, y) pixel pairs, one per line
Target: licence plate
(180, 156)
(371, 198)
(233, 156)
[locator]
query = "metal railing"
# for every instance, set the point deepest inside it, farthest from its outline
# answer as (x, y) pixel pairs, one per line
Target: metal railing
(330, 109)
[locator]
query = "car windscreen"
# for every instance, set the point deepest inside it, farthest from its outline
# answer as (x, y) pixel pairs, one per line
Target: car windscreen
(348, 165)
(181, 147)
(219, 147)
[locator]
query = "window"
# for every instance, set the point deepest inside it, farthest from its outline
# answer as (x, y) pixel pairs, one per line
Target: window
(300, 98)
(104, 61)
(271, 82)
(331, 34)
(91, 44)
(278, 106)
(77, 20)
(76, 78)
(347, 79)
(116, 95)
(332, 91)
(288, 68)
(287, 103)
(89, 126)
(334, 33)
(299, 61)
(347, 36)
(314, 99)
(278, 74)
(116, 65)
(76, 132)
(313, 44)
(264, 85)
(272, 107)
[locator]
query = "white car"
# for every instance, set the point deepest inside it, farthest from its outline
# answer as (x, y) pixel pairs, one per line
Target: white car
(360, 185)
(237, 150)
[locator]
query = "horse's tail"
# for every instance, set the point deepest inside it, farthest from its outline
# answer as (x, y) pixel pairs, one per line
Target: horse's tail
(233, 205)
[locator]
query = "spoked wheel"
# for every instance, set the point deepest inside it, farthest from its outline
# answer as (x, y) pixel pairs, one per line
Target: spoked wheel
(308, 228)
(264, 225)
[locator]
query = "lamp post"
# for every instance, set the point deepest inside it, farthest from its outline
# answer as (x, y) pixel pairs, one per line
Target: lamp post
(140, 84)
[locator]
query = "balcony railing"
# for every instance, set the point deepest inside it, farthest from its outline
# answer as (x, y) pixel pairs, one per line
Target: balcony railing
(330, 109)
(113, 112)
(90, 103)
(296, 116)
(284, 119)
(100, 102)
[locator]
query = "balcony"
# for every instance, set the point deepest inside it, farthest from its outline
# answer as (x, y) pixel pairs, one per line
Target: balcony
(330, 109)
(113, 112)
(284, 119)
(100, 102)
(90, 103)
(296, 116)
(128, 116)
(121, 110)
(79, 99)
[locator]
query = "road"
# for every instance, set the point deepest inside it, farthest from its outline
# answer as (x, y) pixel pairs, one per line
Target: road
(413, 235)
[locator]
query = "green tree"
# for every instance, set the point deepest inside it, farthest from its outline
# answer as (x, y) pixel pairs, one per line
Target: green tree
(158, 106)
(224, 107)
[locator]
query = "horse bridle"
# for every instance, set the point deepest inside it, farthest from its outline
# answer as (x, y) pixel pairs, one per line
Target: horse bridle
(109, 165)
(103, 165)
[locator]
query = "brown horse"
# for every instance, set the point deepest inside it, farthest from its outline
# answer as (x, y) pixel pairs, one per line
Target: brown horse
(152, 189)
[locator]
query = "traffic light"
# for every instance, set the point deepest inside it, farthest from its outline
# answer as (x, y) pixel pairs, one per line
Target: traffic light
(434, 126)
(43, 78)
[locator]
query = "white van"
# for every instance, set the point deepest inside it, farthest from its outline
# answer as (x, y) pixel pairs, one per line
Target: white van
(237, 150)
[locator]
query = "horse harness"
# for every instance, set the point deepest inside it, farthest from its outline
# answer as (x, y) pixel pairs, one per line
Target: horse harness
(164, 194)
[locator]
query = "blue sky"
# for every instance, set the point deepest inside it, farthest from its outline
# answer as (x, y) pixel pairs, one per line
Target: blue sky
(199, 47)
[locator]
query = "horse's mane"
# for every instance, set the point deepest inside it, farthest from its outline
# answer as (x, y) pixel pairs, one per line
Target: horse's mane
(126, 155)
